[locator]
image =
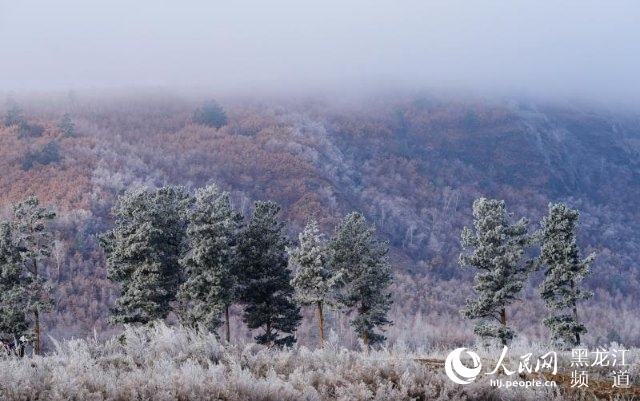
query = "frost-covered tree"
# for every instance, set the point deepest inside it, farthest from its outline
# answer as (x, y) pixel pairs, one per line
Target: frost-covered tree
(34, 240)
(564, 273)
(143, 252)
(14, 297)
(314, 279)
(210, 260)
(496, 249)
(265, 277)
(363, 265)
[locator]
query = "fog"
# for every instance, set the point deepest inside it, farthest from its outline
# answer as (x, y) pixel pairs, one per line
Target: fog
(582, 48)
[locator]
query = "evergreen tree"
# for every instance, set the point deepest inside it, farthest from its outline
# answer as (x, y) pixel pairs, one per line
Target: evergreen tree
(560, 288)
(14, 114)
(210, 114)
(34, 240)
(365, 272)
(49, 154)
(265, 278)
(497, 250)
(66, 126)
(314, 279)
(14, 297)
(143, 252)
(209, 263)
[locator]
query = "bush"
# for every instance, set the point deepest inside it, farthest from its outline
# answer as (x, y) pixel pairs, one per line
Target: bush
(163, 363)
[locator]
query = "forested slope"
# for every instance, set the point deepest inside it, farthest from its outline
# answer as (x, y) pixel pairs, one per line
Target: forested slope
(413, 164)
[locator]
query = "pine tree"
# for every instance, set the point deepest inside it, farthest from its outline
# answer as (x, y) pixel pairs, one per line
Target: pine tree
(265, 278)
(143, 252)
(66, 126)
(365, 272)
(209, 263)
(210, 114)
(14, 297)
(497, 250)
(14, 114)
(560, 288)
(34, 240)
(314, 279)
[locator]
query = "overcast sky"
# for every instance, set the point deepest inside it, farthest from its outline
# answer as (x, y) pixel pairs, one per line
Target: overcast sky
(555, 48)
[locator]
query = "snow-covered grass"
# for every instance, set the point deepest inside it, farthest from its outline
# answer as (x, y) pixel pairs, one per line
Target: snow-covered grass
(176, 363)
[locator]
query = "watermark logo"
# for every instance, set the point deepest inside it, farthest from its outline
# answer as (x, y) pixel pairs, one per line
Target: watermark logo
(459, 373)
(546, 364)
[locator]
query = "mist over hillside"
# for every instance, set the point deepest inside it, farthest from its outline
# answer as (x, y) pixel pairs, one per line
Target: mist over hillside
(411, 163)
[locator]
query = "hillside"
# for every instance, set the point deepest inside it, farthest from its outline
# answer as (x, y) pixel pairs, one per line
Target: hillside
(412, 164)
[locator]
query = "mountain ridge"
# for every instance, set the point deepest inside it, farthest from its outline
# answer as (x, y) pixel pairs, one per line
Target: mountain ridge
(412, 164)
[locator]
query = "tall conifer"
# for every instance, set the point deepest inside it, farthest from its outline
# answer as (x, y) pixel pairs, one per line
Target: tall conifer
(564, 273)
(143, 252)
(210, 262)
(365, 274)
(267, 293)
(34, 240)
(14, 297)
(496, 250)
(314, 279)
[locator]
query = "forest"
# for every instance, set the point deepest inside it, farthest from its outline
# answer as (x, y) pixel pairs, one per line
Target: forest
(415, 200)
(411, 164)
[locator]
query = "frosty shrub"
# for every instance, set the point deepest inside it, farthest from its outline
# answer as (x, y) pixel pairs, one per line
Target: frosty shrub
(157, 362)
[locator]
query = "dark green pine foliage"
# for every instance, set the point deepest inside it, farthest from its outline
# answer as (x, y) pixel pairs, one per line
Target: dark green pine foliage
(496, 250)
(564, 273)
(210, 114)
(34, 240)
(265, 278)
(14, 297)
(143, 252)
(209, 264)
(365, 272)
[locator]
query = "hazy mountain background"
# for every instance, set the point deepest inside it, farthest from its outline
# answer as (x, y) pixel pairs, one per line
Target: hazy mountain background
(412, 162)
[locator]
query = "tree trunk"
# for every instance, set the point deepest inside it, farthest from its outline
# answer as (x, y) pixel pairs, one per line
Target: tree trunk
(36, 348)
(36, 315)
(503, 322)
(321, 324)
(574, 309)
(227, 324)
(269, 334)
(365, 338)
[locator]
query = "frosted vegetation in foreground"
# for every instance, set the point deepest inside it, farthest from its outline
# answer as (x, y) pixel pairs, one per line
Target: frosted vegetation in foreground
(163, 363)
